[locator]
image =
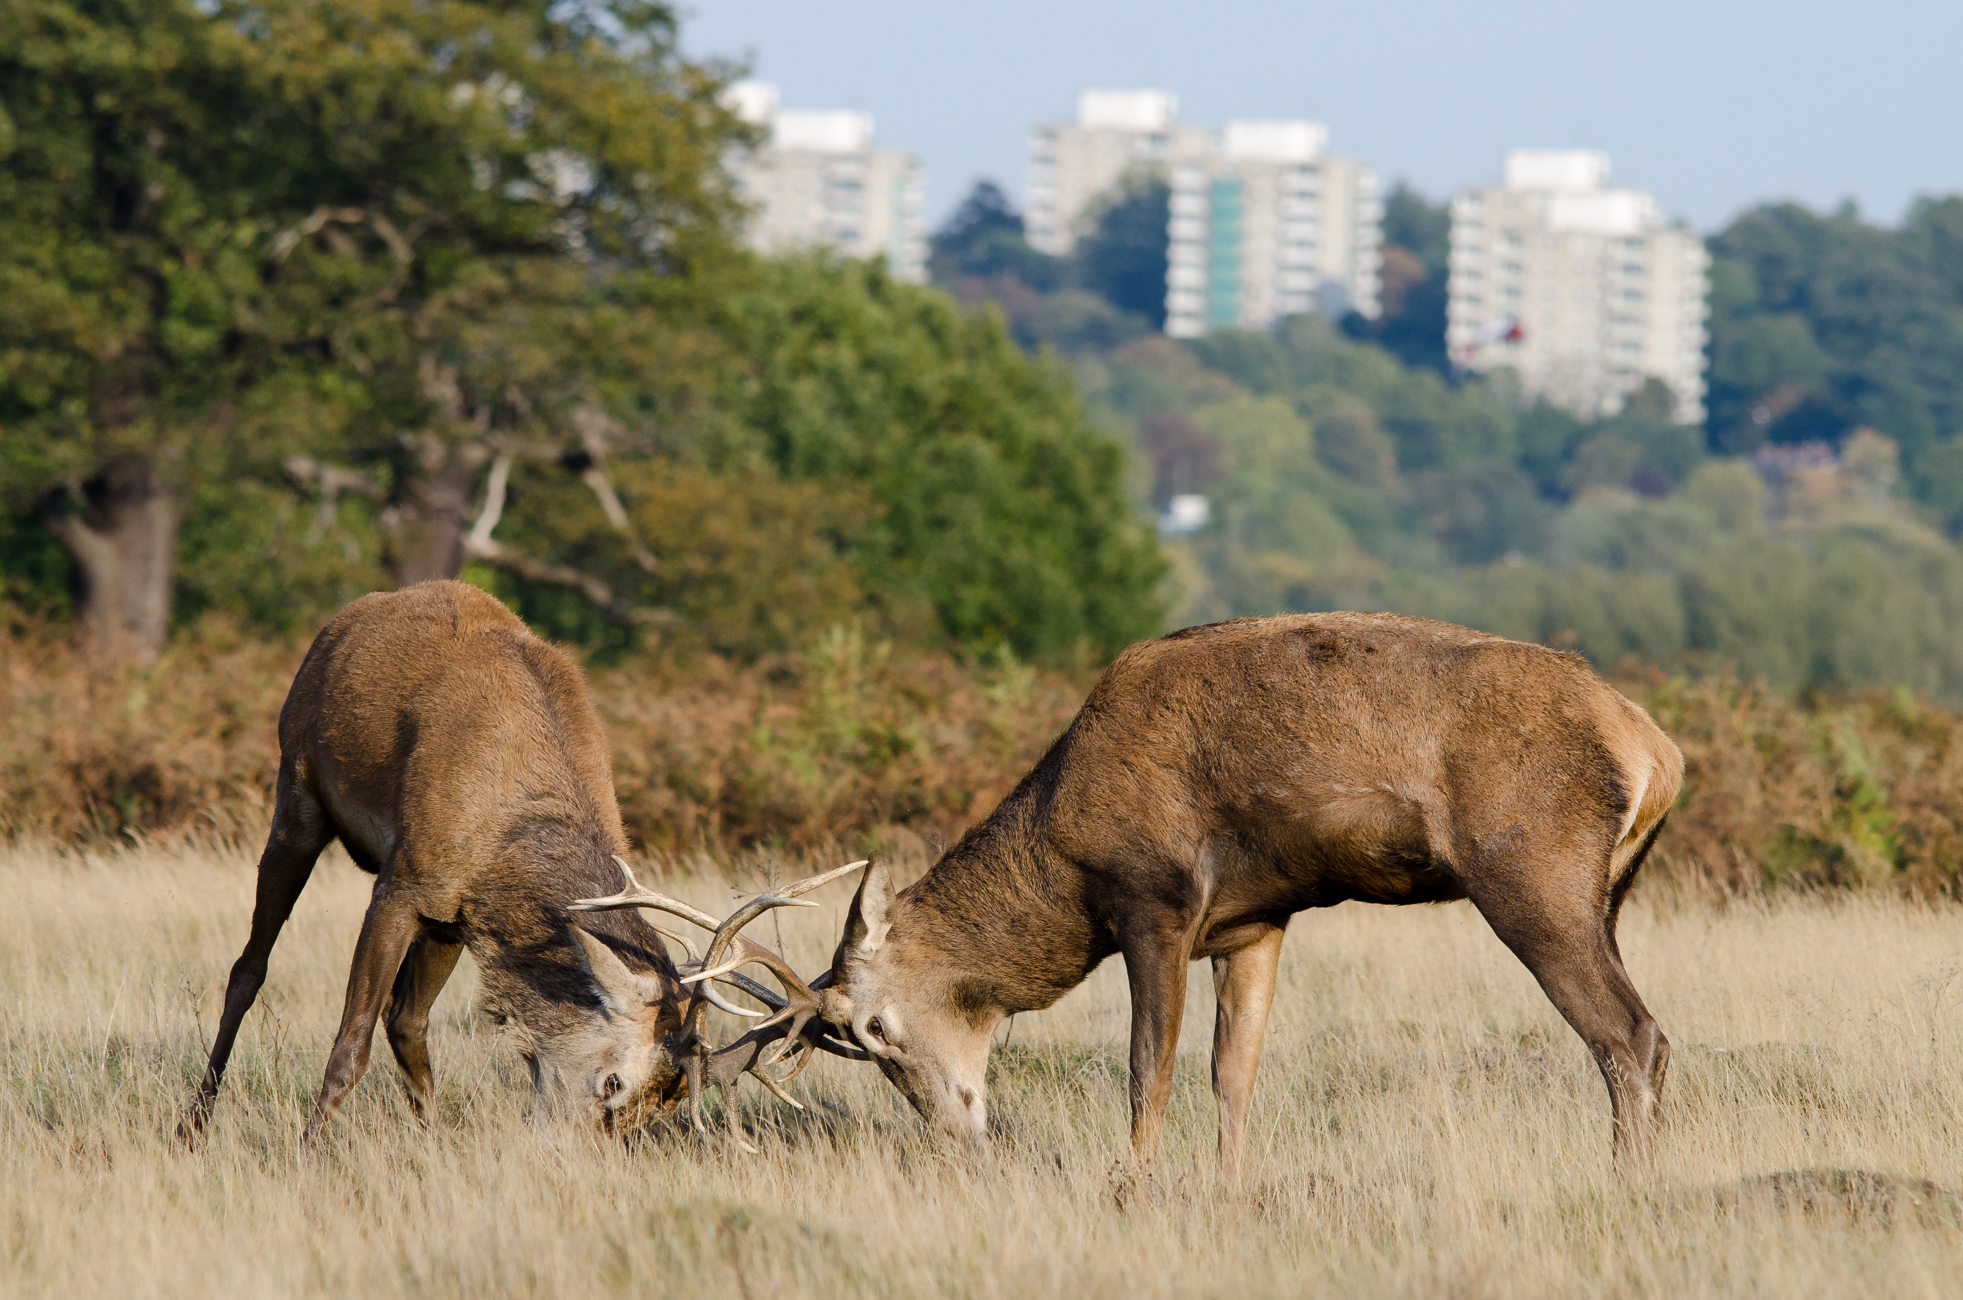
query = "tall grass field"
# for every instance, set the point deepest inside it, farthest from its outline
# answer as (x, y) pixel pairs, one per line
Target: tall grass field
(1424, 1124)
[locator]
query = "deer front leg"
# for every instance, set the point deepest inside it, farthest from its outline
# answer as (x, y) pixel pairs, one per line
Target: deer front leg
(423, 974)
(1156, 971)
(390, 927)
(1244, 989)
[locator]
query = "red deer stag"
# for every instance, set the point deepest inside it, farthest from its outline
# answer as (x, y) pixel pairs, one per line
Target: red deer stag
(1223, 778)
(458, 759)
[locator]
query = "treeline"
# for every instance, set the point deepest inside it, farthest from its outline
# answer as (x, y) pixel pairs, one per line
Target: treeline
(307, 300)
(1804, 534)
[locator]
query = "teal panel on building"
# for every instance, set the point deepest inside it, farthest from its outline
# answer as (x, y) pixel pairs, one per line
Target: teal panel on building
(1223, 254)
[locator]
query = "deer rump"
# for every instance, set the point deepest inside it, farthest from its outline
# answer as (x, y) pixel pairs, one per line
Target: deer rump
(1223, 778)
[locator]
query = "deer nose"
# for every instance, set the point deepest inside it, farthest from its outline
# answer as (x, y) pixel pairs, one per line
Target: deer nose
(969, 1125)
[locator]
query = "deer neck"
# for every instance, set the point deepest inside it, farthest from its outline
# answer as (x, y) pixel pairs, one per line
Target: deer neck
(1003, 917)
(530, 969)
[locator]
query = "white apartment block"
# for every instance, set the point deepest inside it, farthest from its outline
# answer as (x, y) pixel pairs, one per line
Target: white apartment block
(1580, 288)
(1266, 225)
(1072, 165)
(820, 180)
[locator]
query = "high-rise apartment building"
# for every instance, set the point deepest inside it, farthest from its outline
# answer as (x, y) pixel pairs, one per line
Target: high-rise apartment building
(1072, 165)
(820, 180)
(1264, 224)
(1583, 290)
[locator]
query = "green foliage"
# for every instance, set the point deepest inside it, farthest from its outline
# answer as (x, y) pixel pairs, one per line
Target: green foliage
(1341, 479)
(1417, 235)
(1123, 257)
(1415, 223)
(1109, 292)
(321, 265)
(126, 255)
(1824, 324)
(367, 233)
(992, 502)
(984, 238)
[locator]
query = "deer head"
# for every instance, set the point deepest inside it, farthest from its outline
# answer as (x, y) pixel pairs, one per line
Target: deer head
(617, 1069)
(926, 1028)
(657, 1052)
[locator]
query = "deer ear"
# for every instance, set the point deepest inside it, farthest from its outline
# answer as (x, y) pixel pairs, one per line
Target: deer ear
(622, 991)
(866, 924)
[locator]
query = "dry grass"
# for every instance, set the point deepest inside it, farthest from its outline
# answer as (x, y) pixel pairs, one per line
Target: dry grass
(1424, 1125)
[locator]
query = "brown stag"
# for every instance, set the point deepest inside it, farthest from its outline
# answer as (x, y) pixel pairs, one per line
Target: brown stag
(458, 760)
(1223, 778)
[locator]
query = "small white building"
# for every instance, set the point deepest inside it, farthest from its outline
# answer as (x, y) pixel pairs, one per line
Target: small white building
(1265, 224)
(1073, 165)
(1582, 289)
(819, 180)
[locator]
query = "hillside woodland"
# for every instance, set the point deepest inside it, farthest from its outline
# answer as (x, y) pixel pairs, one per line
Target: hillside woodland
(1804, 535)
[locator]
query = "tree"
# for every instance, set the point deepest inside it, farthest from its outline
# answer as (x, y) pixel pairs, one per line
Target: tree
(508, 214)
(984, 239)
(1417, 236)
(374, 243)
(126, 203)
(992, 502)
(1123, 258)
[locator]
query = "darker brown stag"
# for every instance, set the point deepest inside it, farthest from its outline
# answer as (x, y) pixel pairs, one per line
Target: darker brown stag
(459, 760)
(1223, 778)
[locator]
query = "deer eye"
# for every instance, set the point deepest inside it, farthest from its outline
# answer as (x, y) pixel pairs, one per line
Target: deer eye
(611, 1088)
(873, 1028)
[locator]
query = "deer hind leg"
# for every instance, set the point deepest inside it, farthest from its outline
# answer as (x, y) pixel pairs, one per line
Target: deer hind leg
(1568, 942)
(423, 974)
(1244, 989)
(300, 831)
(387, 932)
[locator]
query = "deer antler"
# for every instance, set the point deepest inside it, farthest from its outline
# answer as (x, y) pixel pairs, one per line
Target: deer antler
(790, 1015)
(638, 895)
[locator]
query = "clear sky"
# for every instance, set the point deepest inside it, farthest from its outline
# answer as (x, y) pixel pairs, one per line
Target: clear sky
(1714, 105)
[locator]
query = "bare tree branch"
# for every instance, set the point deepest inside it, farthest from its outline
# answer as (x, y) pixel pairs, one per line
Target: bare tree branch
(595, 431)
(288, 240)
(479, 545)
(480, 535)
(399, 248)
(332, 480)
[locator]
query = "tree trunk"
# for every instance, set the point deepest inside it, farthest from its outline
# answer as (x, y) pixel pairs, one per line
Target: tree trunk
(425, 525)
(124, 542)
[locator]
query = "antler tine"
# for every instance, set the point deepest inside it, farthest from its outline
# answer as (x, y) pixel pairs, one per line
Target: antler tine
(780, 896)
(754, 989)
(637, 895)
(681, 939)
(717, 999)
(776, 1088)
(846, 1050)
(810, 883)
(723, 969)
(727, 936)
(789, 1018)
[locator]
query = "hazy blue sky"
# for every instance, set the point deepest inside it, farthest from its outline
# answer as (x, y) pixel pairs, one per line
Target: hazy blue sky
(1712, 105)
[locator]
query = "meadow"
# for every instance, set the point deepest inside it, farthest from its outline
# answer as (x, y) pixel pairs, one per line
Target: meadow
(1424, 1123)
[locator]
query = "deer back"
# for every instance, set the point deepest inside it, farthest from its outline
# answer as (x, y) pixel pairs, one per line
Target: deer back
(1354, 755)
